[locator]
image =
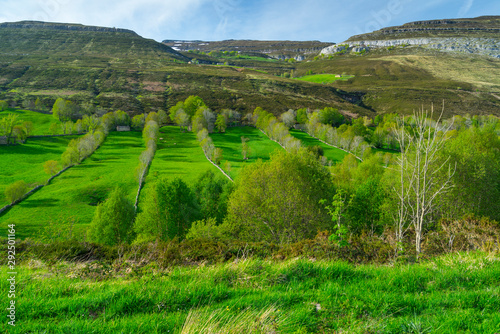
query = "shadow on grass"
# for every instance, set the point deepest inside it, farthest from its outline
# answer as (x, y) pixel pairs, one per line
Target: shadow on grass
(37, 203)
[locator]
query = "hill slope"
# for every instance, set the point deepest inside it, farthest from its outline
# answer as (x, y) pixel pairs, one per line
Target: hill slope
(117, 69)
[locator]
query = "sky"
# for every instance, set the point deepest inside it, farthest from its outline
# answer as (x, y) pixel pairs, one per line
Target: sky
(300, 20)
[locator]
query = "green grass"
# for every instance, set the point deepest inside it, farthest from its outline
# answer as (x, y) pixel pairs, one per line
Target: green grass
(41, 122)
(178, 154)
(230, 143)
(456, 293)
(325, 78)
(25, 162)
(334, 154)
(70, 200)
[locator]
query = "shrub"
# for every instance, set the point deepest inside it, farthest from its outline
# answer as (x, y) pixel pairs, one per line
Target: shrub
(51, 167)
(16, 191)
(112, 222)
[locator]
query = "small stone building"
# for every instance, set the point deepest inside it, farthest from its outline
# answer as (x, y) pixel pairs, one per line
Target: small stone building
(122, 128)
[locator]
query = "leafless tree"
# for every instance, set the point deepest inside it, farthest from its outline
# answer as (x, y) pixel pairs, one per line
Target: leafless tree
(421, 178)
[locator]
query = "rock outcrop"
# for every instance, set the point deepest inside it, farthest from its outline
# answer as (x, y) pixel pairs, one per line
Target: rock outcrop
(482, 46)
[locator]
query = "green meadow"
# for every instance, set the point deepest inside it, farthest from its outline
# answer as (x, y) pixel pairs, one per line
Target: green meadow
(178, 154)
(325, 78)
(25, 162)
(41, 122)
(260, 147)
(68, 202)
(334, 154)
(456, 293)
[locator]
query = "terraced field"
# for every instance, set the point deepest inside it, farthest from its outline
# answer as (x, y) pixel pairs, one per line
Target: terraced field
(178, 154)
(334, 154)
(25, 162)
(70, 200)
(260, 147)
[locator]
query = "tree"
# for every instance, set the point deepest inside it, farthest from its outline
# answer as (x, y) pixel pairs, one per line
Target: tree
(15, 191)
(217, 156)
(51, 167)
(63, 110)
(3, 105)
(476, 153)
(169, 210)
(420, 184)
(138, 122)
(113, 219)
(244, 147)
(331, 116)
(7, 125)
(212, 194)
(288, 118)
(221, 123)
(278, 200)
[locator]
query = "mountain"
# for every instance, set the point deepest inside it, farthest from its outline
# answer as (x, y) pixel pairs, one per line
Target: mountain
(479, 35)
(272, 49)
(113, 69)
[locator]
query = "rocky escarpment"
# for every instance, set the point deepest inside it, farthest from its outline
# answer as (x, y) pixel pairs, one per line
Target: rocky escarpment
(482, 46)
(283, 50)
(61, 26)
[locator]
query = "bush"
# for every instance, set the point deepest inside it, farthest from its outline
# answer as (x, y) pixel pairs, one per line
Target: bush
(16, 191)
(112, 222)
(51, 167)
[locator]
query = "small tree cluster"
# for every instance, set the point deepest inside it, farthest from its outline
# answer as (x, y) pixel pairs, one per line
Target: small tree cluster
(64, 110)
(80, 148)
(150, 135)
(345, 137)
(275, 130)
(211, 152)
(15, 130)
(111, 120)
(15, 191)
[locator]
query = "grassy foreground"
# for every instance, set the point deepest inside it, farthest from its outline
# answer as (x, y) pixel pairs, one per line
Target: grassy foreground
(70, 200)
(456, 293)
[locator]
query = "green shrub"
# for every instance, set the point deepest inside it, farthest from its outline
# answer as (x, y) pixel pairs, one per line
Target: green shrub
(15, 191)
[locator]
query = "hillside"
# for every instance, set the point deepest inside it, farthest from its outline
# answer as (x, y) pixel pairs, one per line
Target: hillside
(108, 68)
(113, 69)
(273, 49)
(470, 36)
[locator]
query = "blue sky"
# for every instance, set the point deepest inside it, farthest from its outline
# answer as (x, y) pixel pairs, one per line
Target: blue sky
(324, 20)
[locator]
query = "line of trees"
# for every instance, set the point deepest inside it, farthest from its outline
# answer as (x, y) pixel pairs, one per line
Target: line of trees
(150, 135)
(275, 130)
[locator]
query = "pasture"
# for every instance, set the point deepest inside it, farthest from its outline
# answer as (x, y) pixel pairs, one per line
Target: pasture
(67, 204)
(325, 78)
(334, 154)
(25, 162)
(260, 147)
(41, 122)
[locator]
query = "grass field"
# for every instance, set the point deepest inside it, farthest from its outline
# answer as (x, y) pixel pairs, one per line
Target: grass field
(334, 154)
(41, 122)
(25, 162)
(72, 197)
(456, 293)
(325, 78)
(260, 146)
(178, 154)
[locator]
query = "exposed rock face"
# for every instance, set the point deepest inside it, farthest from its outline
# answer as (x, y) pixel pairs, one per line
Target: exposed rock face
(60, 26)
(483, 46)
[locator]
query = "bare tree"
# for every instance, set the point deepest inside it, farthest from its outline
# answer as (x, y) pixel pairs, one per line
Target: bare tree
(421, 175)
